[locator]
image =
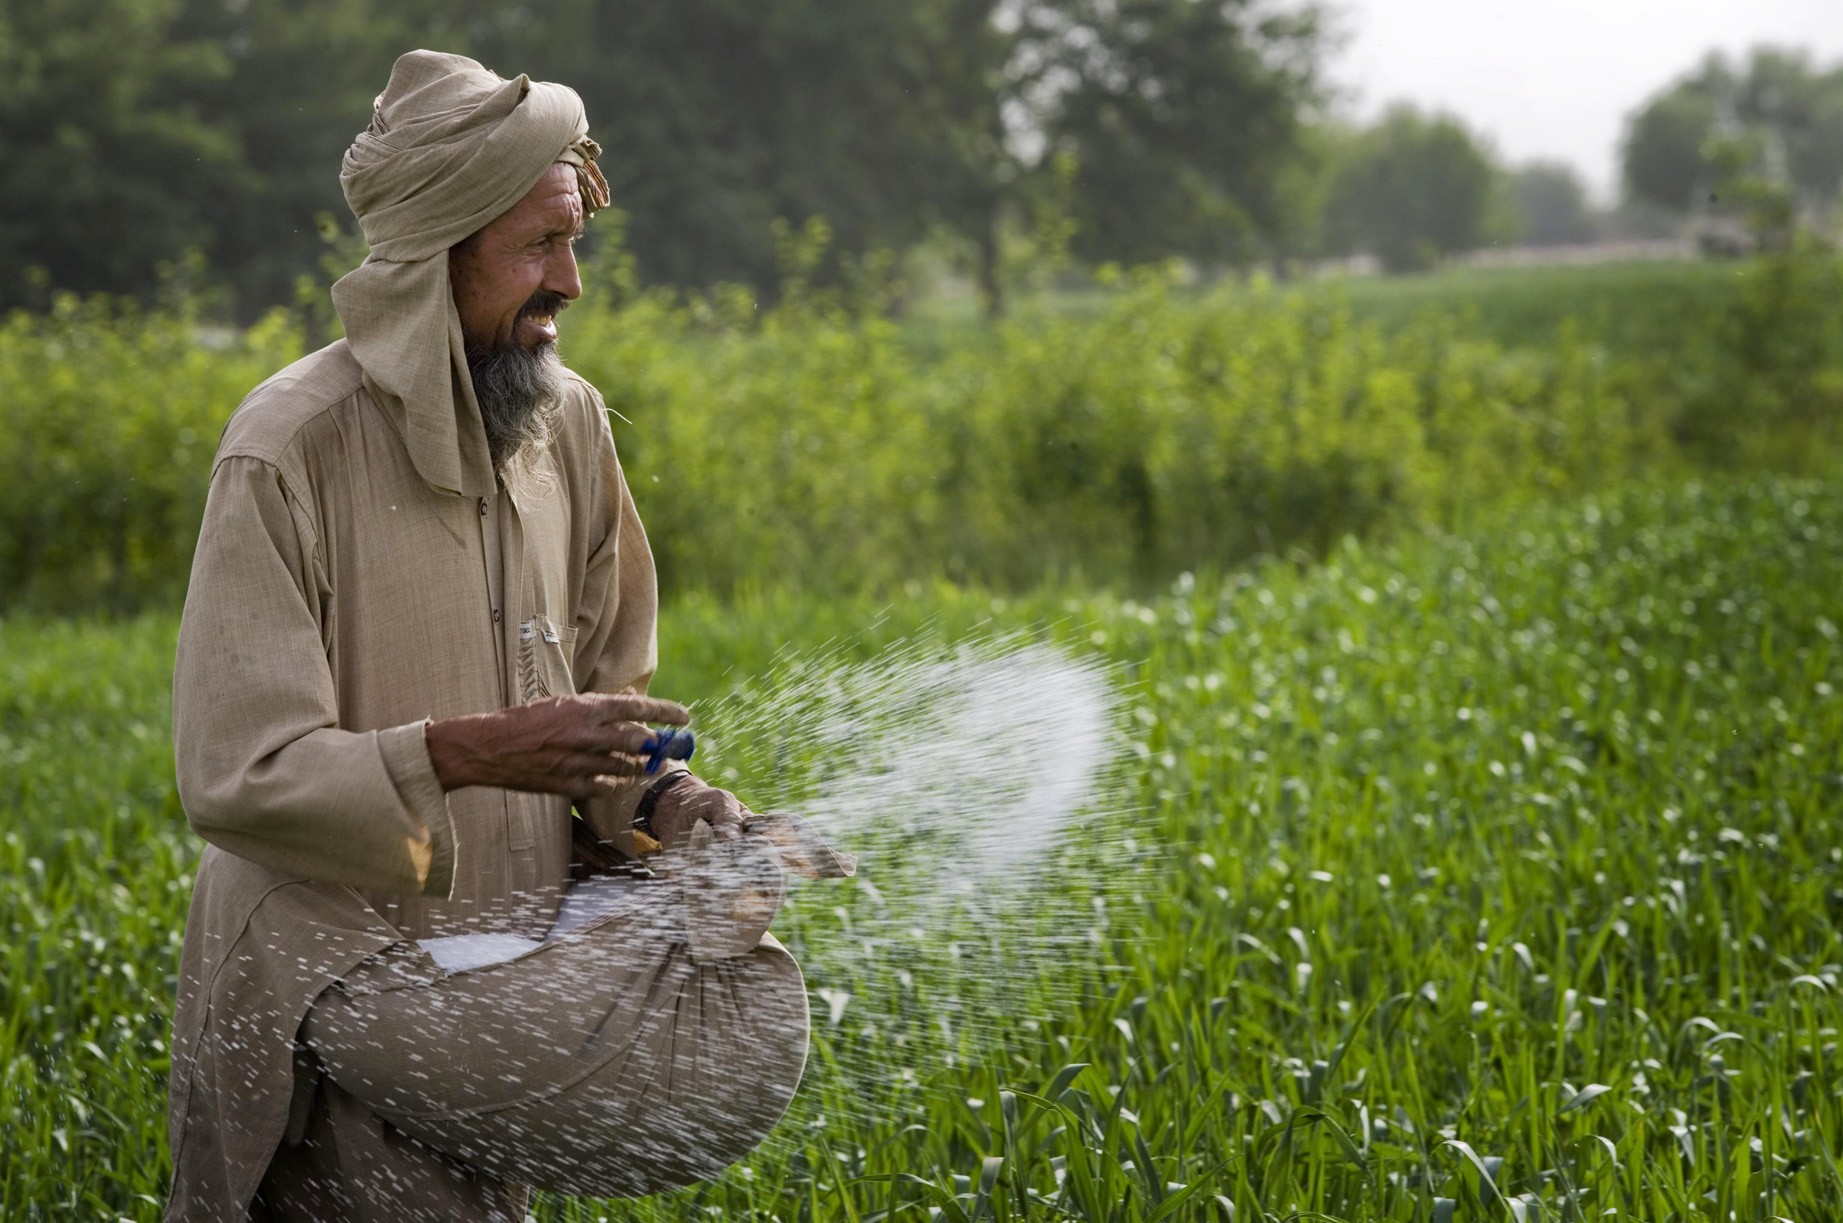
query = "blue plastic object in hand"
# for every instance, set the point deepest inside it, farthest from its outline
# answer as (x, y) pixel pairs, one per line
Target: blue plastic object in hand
(669, 744)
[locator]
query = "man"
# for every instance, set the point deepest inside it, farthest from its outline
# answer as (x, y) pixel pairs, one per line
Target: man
(421, 623)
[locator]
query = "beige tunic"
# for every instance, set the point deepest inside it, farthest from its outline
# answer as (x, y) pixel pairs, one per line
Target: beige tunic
(338, 599)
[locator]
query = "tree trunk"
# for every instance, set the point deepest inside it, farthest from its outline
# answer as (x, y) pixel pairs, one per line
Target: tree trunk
(991, 286)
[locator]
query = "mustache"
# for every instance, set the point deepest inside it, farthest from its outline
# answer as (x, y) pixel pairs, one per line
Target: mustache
(544, 302)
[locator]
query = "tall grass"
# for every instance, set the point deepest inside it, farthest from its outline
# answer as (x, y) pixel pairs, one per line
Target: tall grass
(812, 446)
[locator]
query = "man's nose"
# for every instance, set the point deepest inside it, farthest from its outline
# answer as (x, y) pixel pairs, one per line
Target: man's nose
(561, 275)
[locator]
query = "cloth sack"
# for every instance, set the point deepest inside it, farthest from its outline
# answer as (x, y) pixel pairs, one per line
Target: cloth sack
(654, 1038)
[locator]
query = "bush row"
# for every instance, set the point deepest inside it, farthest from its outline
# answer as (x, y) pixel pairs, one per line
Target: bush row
(110, 416)
(809, 445)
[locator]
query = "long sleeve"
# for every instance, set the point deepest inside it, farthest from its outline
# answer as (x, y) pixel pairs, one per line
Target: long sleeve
(264, 770)
(617, 645)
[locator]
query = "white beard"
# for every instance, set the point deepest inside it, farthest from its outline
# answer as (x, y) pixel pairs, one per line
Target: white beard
(520, 393)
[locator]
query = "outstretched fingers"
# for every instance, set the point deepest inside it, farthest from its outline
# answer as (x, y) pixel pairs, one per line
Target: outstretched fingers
(632, 707)
(626, 738)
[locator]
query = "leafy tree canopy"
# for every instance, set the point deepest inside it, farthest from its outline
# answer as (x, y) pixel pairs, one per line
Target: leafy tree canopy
(1410, 189)
(1550, 205)
(1777, 104)
(1181, 118)
(136, 130)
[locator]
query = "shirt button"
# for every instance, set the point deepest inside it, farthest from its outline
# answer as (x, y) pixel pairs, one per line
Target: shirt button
(483, 507)
(495, 615)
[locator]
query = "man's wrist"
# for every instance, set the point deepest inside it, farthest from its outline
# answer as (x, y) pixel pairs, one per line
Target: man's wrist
(452, 752)
(648, 807)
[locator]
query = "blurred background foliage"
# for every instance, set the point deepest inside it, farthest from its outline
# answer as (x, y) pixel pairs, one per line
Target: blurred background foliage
(1078, 133)
(220, 126)
(1111, 441)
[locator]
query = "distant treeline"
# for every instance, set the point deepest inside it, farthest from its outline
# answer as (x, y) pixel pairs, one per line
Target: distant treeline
(1001, 134)
(134, 130)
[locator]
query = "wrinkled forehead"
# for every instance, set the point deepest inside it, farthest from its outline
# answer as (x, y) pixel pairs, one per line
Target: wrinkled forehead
(553, 203)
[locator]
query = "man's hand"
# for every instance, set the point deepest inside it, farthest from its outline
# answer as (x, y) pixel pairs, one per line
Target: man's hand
(681, 807)
(574, 745)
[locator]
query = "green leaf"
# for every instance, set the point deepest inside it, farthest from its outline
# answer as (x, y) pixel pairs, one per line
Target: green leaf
(946, 1201)
(1148, 1169)
(988, 1178)
(1064, 1077)
(1174, 1201)
(1489, 1190)
(1582, 1098)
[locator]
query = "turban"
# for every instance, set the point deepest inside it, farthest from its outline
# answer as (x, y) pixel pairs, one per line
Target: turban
(450, 148)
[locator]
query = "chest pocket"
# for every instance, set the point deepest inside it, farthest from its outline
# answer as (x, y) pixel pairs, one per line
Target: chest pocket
(545, 651)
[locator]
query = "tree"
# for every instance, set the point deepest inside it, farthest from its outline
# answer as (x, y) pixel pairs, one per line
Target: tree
(1550, 205)
(1663, 158)
(1182, 118)
(136, 130)
(1411, 189)
(1773, 123)
(891, 117)
(110, 166)
(299, 87)
(721, 117)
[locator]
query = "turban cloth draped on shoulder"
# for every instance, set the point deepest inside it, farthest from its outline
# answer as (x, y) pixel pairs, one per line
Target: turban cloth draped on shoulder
(450, 148)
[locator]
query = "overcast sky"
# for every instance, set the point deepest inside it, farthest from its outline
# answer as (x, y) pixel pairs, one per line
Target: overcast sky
(1555, 79)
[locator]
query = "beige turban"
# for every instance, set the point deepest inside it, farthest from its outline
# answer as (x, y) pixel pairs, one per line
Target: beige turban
(451, 147)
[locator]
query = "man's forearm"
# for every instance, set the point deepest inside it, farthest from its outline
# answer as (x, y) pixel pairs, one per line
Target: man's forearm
(572, 745)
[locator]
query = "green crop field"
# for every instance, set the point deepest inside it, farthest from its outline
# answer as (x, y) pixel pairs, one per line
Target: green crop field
(1630, 305)
(1473, 877)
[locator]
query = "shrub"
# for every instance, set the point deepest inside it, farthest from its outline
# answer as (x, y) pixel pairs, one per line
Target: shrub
(812, 446)
(1163, 433)
(111, 415)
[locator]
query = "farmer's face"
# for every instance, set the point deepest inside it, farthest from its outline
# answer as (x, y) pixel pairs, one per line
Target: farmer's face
(513, 277)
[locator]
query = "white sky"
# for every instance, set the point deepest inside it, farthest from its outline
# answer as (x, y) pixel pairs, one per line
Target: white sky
(1556, 78)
